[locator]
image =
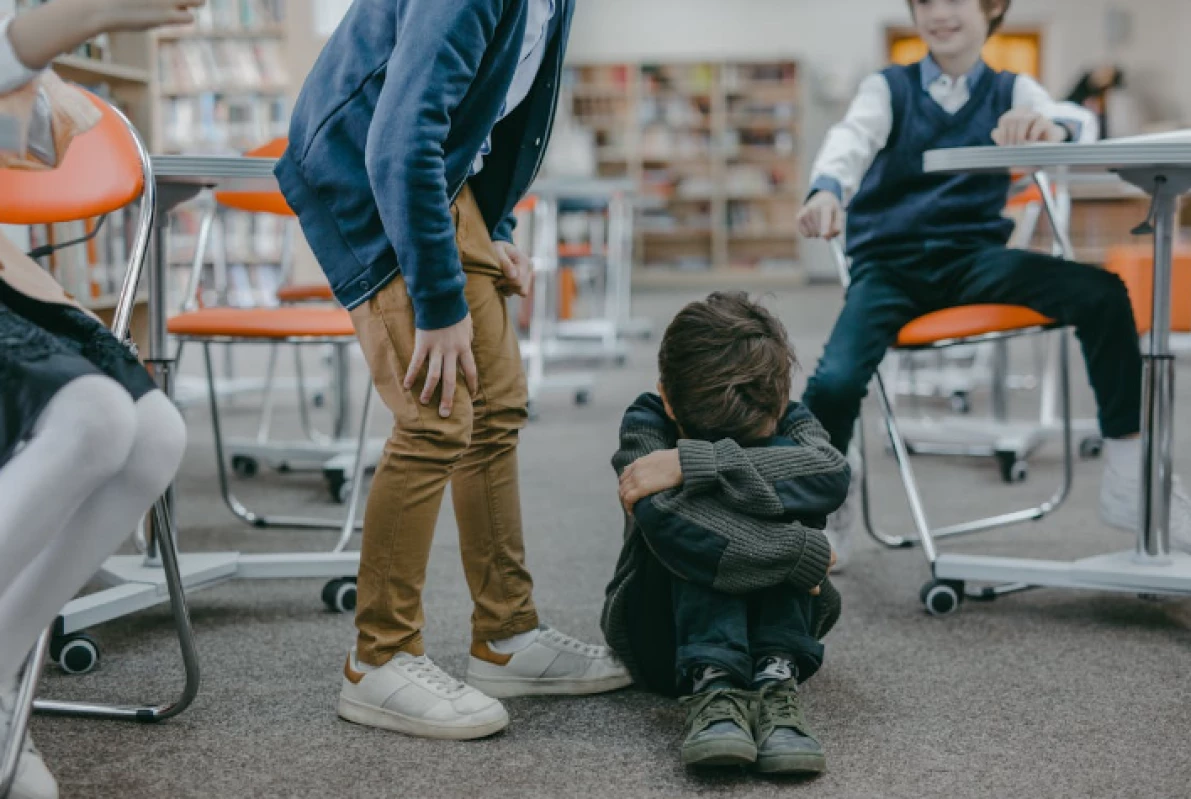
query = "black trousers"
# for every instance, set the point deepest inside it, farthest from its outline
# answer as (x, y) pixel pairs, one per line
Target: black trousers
(887, 294)
(733, 632)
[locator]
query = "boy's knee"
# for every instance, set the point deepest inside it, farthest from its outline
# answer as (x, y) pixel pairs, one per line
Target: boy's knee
(437, 440)
(837, 385)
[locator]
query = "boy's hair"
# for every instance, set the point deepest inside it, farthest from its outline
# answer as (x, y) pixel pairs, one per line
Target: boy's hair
(995, 20)
(725, 365)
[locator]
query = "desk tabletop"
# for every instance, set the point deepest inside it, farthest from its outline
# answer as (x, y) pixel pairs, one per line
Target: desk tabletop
(215, 171)
(1173, 154)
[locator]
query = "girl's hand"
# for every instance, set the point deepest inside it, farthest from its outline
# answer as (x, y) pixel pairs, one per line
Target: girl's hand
(142, 15)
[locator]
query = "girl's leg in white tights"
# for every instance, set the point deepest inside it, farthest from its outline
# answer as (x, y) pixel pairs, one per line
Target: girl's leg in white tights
(72, 551)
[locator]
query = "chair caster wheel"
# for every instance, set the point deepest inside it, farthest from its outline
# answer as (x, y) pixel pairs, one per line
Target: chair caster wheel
(1091, 447)
(960, 402)
(582, 397)
(339, 486)
(1013, 469)
(340, 595)
(76, 653)
(245, 466)
(319, 400)
(942, 597)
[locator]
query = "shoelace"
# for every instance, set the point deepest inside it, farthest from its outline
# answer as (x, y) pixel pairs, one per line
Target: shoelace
(575, 645)
(429, 671)
(781, 707)
(728, 704)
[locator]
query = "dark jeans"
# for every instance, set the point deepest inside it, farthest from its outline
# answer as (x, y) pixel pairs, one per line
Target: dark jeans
(733, 632)
(886, 295)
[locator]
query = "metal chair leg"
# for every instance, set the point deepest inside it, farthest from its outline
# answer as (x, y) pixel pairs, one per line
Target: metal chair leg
(349, 521)
(233, 504)
(10, 755)
(926, 536)
(167, 546)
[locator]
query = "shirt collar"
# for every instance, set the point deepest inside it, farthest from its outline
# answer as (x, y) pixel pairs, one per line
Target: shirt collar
(931, 72)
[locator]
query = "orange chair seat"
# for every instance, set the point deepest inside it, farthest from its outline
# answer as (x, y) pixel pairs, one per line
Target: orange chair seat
(305, 292)
(1134, 264)
(967, 321)
(263, 323)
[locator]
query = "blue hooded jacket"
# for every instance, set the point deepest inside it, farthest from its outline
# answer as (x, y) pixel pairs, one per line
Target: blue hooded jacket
(385, 131)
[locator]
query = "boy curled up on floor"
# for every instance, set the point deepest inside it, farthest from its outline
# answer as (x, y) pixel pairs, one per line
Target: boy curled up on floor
(720, 594)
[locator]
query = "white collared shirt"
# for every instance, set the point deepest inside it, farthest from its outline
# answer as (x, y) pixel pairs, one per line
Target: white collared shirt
(853, 144)
(533, 52)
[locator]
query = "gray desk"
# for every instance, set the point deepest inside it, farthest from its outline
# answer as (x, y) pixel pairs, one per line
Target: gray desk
(1162, 169)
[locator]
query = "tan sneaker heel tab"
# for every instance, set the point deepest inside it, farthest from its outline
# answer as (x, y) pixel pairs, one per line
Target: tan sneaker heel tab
(351, 674)
(481, 651)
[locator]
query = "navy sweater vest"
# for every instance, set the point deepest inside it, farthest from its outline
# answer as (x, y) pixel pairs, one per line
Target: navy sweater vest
(899, 209)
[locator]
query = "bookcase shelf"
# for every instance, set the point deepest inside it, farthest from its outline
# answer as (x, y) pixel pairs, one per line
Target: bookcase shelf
(80, 69)
(714, 147)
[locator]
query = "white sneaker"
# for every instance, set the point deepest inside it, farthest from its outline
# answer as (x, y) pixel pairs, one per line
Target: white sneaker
(1120, 493)
(414, 696)
(33, 779)
(552, 665)
(842, 523)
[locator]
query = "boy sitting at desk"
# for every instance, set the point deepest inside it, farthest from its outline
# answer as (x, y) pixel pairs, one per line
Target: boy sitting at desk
(923, 242)
(721, 593)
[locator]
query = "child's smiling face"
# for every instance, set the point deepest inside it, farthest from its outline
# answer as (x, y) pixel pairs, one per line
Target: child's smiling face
(952, 28)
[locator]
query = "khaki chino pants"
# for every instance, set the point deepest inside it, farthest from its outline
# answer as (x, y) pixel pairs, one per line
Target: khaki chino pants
(475, 449)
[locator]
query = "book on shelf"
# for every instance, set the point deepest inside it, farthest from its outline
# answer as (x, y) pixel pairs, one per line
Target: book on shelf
(223, 15)
(222, 65)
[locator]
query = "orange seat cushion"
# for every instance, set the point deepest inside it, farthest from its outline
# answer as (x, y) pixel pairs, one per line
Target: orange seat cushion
(305, 292)
(1134, 264)
(264, 323)
(967, 321)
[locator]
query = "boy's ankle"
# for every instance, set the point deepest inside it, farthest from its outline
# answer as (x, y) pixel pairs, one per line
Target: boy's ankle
(710, 678)
(773, 669)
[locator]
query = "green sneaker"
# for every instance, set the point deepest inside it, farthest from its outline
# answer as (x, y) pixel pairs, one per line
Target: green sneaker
(785, 744)
(717, 728)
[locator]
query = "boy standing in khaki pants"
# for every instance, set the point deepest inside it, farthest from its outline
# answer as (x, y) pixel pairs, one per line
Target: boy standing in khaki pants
(421, 126)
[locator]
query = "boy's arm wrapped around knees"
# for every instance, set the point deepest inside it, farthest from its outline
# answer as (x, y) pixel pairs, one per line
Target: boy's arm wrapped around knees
(700, 540)
(645, 428)
(800, 474)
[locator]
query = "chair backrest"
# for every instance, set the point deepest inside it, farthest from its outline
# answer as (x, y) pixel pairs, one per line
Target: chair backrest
(106, 168)
(102, 172)
(259, 202)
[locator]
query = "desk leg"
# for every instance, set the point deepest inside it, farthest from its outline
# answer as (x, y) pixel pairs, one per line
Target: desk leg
(1157, 423)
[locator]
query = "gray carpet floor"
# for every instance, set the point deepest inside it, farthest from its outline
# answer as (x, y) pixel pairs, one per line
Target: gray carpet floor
(1043, 694)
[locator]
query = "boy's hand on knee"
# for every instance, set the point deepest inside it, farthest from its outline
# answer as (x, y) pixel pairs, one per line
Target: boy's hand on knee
(518, 270)
(443, 352)
(818, 589)
(821, 217)
(649, 475)
(1026, 126)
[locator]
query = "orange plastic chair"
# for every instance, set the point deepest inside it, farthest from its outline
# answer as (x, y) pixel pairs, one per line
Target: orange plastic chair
(1134, 264)
(107, 168)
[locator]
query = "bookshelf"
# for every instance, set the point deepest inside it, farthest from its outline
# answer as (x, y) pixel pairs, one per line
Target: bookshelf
(222, 86)
(714, 147)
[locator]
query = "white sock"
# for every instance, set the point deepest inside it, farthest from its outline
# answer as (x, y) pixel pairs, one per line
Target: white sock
(773, 669)
(1121, 485)
(514, 644)
(706, 676)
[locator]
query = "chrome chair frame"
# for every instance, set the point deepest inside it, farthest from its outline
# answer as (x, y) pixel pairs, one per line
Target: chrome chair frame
(925, 535)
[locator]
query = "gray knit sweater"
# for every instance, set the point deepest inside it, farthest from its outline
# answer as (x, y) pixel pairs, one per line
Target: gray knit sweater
(745, 518)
